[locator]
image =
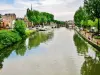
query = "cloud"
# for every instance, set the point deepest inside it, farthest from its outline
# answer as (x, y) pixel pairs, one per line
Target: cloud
(62, 9)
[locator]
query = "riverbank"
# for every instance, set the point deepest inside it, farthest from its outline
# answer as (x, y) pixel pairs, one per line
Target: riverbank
(88, 37)
(9, 37)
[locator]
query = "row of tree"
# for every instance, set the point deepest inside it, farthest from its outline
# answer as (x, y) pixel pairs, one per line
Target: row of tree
(59, 22)
(89, 14)
(37, 17)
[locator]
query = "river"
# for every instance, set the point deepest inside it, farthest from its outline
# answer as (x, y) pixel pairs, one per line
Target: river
(58, 52)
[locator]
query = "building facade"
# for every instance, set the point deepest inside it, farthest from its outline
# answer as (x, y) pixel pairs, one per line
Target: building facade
(7, 20)
(28, 23)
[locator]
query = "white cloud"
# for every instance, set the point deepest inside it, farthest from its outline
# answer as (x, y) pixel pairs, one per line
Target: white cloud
(62, 9)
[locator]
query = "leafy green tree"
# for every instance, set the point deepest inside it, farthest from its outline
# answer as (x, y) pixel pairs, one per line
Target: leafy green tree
(81, 17)
(43, 18)
(78, 17)
(84, 23)
(91, 23)
(59, 22)
(39, 17)
(93, 9)
(29, 15)
(20, 27)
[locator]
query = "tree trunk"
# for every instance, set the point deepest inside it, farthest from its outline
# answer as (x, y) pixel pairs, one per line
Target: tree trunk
(98, 25)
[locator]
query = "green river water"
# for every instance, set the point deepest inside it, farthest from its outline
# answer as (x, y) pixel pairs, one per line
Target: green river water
(57, 52)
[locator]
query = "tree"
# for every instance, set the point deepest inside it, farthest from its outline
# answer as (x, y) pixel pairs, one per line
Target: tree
(78, 17)
(43, 17)
(91, 23)
(93, 9)
(84, 23)
(20, 27)
(29, 15)
(39, 17)
(81, 17)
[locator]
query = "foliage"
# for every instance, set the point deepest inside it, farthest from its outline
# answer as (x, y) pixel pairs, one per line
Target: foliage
(59, 22)
(20, 27)
(39, 17)
(0, 16)
(8, 38)
(80, 16)
(29, 32)
(89, 14)
(84, 23)
(91, 23)
(22, 46)
(97, 37)
(93, 9)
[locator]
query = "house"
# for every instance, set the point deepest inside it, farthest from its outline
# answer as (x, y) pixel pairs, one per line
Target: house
(70, 22)
(7, 20)
(28, 23)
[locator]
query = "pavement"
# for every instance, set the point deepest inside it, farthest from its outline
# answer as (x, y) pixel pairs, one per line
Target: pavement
(89, 37)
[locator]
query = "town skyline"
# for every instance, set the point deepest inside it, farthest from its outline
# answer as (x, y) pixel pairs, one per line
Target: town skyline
(62, 9)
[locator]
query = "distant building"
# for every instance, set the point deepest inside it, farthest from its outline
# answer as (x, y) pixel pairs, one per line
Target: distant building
(7, 20)
(70, 22)
(28, 23)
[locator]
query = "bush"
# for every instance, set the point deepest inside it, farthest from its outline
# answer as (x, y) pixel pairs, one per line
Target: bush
(8, 37)
(20, 27)
(97, 37)
(29, 32)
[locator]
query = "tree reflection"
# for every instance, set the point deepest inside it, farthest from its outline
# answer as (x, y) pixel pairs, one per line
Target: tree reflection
(5, 53)
(90, 66)
(20, 48)
(38, 38)
(81, 46)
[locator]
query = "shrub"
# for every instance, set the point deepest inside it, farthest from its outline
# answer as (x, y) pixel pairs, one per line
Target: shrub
(97, 37)
(20, 27)
(29, 32)
(8, 37)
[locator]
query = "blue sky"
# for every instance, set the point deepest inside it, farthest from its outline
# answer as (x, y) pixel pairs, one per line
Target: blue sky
(7, 1)
(62, 9)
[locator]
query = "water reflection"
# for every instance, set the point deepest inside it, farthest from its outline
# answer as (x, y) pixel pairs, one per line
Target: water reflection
(91, 65)
(21, 47)
(66, 54)
(80, 44)
(38, 38)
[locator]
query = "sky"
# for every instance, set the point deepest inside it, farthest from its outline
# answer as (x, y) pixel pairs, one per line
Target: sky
(62, 9)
